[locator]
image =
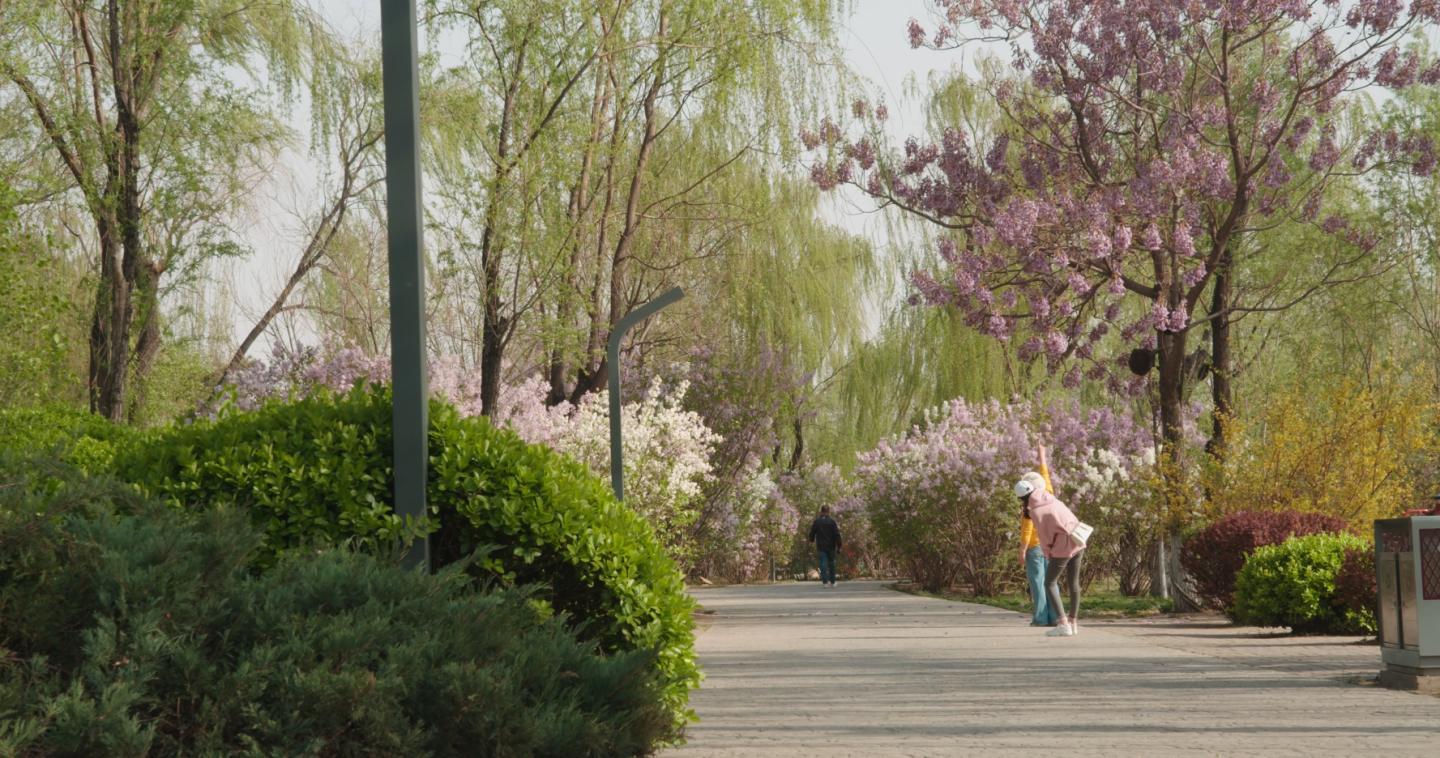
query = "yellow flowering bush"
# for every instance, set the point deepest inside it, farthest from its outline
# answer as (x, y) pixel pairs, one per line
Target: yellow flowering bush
(1353, 450)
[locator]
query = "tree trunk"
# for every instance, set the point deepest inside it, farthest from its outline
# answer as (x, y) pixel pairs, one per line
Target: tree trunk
(798, 454)
(591, 376)
(147, 346)
(492, 349)
(579, 214)
(100, 327)
(1182, 590)
(1220, 360)
(113, 371)
(1172, 378)
(1159, 582)
(619, 301)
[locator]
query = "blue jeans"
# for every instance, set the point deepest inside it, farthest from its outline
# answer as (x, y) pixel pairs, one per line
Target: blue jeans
(1045, 614)
(827, 566)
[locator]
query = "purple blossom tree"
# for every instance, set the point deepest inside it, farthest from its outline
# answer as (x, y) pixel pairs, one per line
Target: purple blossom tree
(1141, 141)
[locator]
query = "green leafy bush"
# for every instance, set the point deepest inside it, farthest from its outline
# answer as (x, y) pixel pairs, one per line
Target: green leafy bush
(1214, 555)
(319, 470)
(41, 322)
(149, 635)
(1293, 584)
(84, 440)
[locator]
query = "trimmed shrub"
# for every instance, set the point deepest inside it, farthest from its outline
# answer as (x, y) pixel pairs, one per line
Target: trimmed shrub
(1356, 593)
(149, 635)
(1293, 584)
(318, 471)
(1214, 556)
(84, 440)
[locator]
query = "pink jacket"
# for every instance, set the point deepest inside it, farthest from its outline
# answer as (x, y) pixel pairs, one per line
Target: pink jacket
(1053, 522)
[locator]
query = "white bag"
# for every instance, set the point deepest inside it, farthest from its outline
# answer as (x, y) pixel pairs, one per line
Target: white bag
(1081, 534)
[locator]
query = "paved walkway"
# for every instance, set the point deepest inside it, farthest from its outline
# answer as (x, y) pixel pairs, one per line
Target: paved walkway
(1343, 659)
(862, 671)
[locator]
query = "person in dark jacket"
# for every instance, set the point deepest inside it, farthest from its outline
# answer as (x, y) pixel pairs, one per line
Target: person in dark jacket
(825, 533)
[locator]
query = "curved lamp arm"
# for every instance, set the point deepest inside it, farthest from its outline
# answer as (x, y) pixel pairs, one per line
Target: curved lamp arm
(617, 466)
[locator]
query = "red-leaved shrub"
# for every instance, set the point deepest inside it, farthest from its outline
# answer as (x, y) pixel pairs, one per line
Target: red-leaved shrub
(1356, 591)
(1216, 553)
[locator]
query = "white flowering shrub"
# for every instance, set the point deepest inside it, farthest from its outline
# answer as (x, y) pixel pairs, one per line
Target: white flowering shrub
(666, 449)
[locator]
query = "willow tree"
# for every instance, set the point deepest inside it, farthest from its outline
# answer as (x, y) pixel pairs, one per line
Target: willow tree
(133, 102)
(502, 119)
(1144, 139)
(634, 110)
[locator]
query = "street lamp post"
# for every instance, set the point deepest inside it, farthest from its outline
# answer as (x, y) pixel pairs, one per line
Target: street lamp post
(617, 466)
(406, 231)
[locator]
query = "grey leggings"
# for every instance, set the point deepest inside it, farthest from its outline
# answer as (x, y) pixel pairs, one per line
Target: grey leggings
(1071, 567)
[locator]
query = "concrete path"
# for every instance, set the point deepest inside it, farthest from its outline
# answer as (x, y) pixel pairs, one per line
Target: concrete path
(866, 672)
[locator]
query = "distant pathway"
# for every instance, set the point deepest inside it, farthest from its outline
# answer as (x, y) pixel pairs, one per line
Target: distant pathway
(861, 671)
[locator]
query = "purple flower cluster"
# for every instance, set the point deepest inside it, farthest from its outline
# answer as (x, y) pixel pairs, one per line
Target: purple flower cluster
(294, 373)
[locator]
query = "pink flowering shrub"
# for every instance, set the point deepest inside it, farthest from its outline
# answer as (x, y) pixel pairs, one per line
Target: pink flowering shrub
(757, 526)
(939, 497)
(940, 501)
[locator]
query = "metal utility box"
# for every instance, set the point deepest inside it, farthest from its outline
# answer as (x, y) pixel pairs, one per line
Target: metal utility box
(1407, 567)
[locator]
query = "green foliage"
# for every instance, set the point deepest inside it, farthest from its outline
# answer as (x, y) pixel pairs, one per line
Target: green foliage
(1293, 584)
(85, 441)
(37, 316)
(148, 635)
(318, 470)
(560, 524)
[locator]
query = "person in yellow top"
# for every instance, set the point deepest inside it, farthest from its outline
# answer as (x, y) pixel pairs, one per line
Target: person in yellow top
(1031, 555)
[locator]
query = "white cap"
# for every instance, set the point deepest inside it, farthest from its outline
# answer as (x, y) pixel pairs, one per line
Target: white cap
(1023, 488)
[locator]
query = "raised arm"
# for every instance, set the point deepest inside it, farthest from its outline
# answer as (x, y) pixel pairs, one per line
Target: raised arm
(1045, 471)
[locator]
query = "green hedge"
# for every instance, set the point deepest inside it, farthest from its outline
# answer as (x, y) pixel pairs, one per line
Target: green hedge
(319, 470)
(1293, 584)
(83, 439)
(148, 635)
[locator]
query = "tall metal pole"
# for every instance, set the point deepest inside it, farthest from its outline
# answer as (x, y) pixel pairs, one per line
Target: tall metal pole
(404, 212)
(617, 466)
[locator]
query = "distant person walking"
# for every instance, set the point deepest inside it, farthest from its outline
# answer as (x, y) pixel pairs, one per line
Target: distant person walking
(825, 533)
(1053, 524)
(1032, 557)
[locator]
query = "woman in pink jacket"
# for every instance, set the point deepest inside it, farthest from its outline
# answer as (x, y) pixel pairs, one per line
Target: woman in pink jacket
(1053, 523)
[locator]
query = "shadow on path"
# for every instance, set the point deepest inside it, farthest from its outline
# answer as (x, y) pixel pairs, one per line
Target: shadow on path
(860, 670)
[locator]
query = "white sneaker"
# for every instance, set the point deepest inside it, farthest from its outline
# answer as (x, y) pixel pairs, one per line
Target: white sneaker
(1063, 630)
(1074, 628)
